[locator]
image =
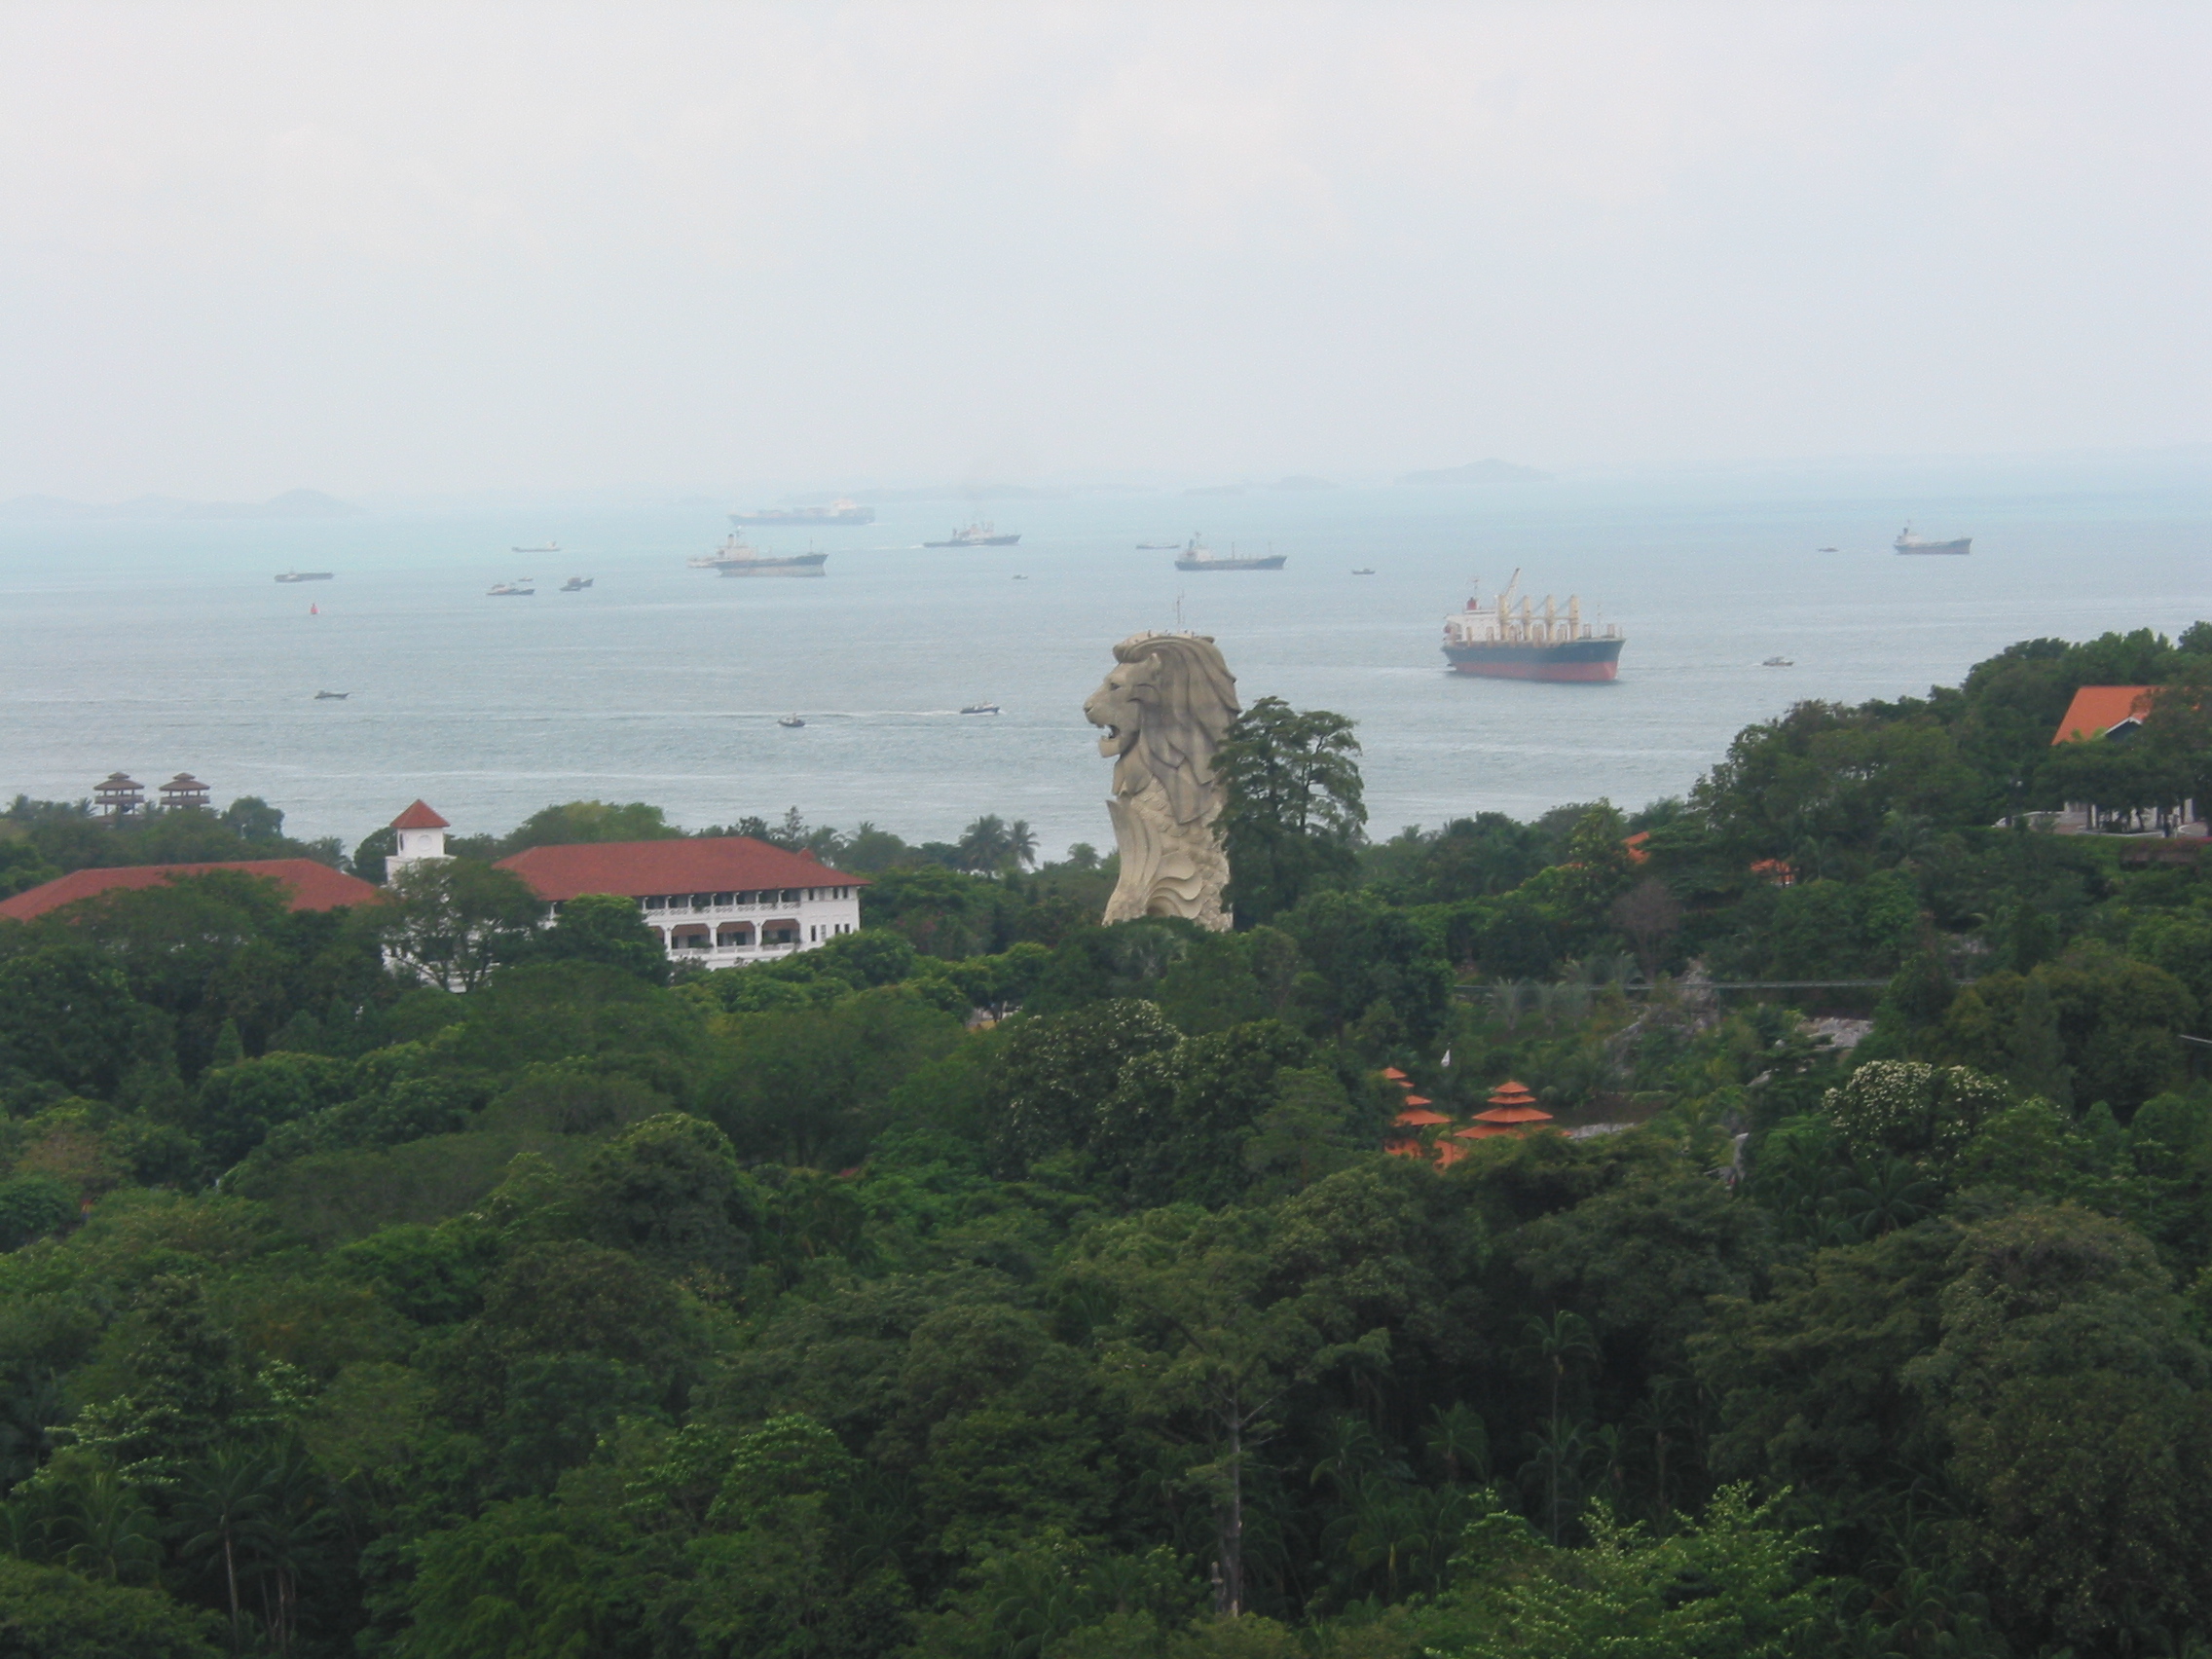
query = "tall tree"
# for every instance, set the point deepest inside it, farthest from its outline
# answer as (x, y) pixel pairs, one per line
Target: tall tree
(1296, 813)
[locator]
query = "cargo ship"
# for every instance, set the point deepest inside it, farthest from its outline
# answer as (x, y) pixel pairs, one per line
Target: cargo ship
(736, 557)
(982, 534)
(1500, 643)
(1197, 556)
(1907, 543)
(843, 510)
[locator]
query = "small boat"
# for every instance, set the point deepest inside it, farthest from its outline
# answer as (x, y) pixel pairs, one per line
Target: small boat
(305, 576)
(332, 696)
(519, 588)
(1159, 547)
(1364, 570)
(575, 584)
(1778, 662)
(1826, 550)
(980, 708)
(549, 547)
(1020, 578)
(791, 722)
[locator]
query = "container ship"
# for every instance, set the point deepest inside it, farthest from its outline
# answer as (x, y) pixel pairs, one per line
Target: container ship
(843, 511)
(736, 557)
(1502, 643)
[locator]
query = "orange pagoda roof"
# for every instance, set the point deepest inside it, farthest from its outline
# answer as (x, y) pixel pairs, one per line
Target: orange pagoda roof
(1418, 1100)
(1481, 1132)
(1530, 1114)
(1393, 1074)
(1421, 1116)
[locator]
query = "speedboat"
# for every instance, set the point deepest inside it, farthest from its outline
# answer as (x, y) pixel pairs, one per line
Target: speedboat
(1778, 662)
(519, 588)
(1364, 570)
(332, 696)
(980, 708)
(792, 720)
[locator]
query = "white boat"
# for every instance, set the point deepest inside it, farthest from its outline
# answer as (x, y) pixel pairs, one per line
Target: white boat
(519, 588)
(980, 708)
(792, 722)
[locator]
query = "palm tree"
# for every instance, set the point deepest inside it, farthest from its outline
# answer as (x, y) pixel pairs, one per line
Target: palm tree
(982, 845)
(1565, 1336)
(1457, 1439)
(1020, 843)
(223, 1496)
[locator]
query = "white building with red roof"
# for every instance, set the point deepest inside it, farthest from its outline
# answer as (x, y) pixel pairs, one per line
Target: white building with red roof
(716, 901)
(422, 836)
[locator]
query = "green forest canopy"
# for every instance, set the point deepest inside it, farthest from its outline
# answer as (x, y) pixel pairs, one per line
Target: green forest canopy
(796, 1310)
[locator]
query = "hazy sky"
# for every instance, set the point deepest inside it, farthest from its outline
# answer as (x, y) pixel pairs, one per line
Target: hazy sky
(381, 247)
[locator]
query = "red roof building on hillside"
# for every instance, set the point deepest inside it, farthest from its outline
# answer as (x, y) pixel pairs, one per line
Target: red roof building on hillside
(717, 900)
(308, 885)
(2097, 711)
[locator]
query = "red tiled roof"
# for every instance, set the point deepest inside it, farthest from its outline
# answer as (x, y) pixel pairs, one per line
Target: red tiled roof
(1421, 1115)
(635, 869)
(308, 885)
(2097, 709)
(1514, 1115)
(420, 816)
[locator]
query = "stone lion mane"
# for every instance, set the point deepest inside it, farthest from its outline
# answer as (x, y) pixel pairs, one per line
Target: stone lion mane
(1167, 708)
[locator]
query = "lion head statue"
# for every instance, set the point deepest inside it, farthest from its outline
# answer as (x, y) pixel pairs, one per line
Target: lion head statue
(1165, 707)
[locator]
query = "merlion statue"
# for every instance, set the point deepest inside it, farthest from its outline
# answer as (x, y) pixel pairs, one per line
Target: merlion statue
(1166, 708)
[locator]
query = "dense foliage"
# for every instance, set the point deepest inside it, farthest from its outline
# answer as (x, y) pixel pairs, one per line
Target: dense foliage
(409, 1281)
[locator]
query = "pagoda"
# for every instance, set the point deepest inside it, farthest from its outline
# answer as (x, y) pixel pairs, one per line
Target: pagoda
(119, 799)
(1512, 1111)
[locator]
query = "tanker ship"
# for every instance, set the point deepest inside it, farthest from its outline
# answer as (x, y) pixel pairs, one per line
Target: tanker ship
(1502, 643)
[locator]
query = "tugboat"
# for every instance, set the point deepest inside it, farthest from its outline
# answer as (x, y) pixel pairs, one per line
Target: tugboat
(1197, 556)
(736, 557)
(1907, 543)
(519, 588)
(1501, 644)
(982, 534)
(575, 584)
(980, 708)
(305, 576)
(843, 510)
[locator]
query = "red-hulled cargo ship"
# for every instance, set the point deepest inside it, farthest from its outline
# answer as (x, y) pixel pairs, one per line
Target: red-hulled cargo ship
(1502, 643)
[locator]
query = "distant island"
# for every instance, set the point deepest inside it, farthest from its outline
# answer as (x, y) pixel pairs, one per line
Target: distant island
(291, 505)
(1479, 472)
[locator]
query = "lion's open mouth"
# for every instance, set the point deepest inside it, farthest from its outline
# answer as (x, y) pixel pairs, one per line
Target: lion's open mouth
(1112, 730)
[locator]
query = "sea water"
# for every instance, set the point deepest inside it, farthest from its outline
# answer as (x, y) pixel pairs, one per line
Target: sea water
(154, 647)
